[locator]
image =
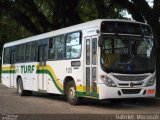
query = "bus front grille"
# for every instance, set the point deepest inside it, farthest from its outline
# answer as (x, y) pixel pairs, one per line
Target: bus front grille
(130, 78)
(131, 91)
(129, 85)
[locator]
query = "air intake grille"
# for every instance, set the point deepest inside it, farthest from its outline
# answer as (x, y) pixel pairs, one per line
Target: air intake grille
(131, 91)
(130, 78)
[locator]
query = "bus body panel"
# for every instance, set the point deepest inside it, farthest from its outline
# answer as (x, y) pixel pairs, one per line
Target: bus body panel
(58, 74)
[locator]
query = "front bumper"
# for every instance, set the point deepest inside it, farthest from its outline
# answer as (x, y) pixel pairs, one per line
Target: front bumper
(125, 92)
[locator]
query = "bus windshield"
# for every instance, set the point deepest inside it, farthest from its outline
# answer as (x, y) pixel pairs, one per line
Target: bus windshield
(127, 54)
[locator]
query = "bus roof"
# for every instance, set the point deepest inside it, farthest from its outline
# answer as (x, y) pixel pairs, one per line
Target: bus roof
(82, 26)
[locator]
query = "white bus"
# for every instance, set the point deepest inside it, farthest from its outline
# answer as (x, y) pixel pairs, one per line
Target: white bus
(100, 59)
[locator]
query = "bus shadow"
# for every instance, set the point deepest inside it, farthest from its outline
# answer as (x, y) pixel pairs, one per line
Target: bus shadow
(112, 104)
(124, 103)
(45, 96)
(49, 96)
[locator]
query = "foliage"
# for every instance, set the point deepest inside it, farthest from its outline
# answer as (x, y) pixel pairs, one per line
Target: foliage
(10, 30)
(23, 18)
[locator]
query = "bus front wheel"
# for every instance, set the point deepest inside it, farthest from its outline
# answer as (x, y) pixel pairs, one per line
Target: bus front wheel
(20, 89)
(71, 94)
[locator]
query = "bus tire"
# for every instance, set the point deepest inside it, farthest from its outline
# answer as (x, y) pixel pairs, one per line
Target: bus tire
(71, 93)
(20, 89)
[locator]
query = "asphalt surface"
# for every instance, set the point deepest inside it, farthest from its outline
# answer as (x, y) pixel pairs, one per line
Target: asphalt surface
(39, 103)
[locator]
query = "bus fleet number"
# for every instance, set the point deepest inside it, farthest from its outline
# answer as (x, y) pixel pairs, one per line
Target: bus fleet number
(69, 70)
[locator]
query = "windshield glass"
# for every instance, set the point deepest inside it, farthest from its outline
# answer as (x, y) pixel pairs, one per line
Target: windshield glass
(126, 54)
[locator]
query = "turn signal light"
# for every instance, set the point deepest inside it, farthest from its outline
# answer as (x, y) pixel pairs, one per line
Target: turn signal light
(151, 91)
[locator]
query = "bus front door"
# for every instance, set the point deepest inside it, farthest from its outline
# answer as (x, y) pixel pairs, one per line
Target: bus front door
(12, 68)
(42, 56)
(91, 65)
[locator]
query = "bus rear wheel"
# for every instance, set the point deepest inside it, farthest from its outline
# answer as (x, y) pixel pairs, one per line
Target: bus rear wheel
(71, 94)
(20, 89)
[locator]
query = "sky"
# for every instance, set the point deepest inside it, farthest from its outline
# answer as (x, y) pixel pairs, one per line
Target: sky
(150, 2)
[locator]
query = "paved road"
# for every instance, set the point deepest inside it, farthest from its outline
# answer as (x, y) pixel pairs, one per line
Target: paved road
(39, 103)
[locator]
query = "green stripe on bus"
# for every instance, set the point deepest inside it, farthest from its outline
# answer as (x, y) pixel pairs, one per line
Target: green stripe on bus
(48, 72)
(80, 94)
(83, 94)
(8, 71)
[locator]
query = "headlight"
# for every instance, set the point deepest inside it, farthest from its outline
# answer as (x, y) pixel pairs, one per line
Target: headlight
(150, 82)
(108, 81)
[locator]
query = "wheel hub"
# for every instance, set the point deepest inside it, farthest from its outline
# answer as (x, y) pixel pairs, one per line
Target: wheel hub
(72, 93)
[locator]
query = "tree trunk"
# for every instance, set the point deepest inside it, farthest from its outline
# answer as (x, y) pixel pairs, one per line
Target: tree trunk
(158, 66)
(155, 25)
(156, 30)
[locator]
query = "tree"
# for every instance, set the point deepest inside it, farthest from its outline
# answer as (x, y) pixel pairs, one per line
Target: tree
(39, 16)
(141, 11)
(32, 15)
(99, 9)
(36, 16)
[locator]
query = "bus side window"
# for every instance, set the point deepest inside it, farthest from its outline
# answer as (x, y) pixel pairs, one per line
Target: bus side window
(94, 51)
(6, 59)
(18, 56)
(30, 51)
(28, 47)
(33, 51)
(23, 46)
(73, 45)
(56, 48)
